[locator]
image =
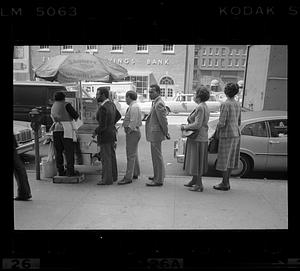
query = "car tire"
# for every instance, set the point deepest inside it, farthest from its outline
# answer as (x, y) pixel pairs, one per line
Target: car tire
(245, 166)
(168, 110)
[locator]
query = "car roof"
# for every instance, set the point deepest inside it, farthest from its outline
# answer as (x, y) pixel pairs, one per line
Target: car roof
(249, 115)
(259, 115)
(37, 83)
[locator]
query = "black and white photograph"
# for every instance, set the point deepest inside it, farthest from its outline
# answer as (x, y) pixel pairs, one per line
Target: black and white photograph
(123, 136)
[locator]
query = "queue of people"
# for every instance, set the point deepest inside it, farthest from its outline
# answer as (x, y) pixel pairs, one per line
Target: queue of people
(156, 128)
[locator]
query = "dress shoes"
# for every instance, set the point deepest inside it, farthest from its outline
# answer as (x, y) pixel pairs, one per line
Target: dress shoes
(135, 177)
(18, 198)
(154, 184)
(124, 181)
(151, 178)
(221, 187)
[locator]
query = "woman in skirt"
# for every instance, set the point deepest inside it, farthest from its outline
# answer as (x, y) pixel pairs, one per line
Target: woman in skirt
(196, 147)
(229, 136)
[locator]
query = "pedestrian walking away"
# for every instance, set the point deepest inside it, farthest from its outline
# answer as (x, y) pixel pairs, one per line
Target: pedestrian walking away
(107, 117)
(196, 160)
(64, 133)
(157, 131)
(132, 123)
(23, 190)
(229, 135)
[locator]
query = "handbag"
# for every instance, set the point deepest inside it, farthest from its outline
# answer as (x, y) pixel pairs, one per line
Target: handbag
(194, 134)
(213, 143)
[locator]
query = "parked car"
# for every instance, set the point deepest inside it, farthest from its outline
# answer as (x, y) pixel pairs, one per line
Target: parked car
(25, 136)
(30, 94)
(184, 103)
(263, 142)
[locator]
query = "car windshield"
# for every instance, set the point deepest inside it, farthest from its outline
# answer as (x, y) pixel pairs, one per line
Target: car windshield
(212, 127)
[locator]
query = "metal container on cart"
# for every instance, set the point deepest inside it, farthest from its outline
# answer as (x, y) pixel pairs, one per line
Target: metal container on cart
(88, 147)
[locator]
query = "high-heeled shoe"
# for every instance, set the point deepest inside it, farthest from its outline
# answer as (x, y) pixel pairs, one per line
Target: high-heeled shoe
(189, 184)
(196, 188)
(221, 187)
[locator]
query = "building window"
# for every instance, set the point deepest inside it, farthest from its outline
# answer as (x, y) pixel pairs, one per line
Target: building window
(196, 52)
(230, 51)
(223, 51)
(217, 51)
(209, 62)
(91, 48)
(216, 62)
(116, 48)
(203, 62)
(170, 92)
(222, 62)
(210, 51)
(236, 62)
(67, 48)
(229, 61)
(196, 62)
(237, 52)
(244, 52)
(141, 83)
(168, 48)
(195, 74)
(44, 48)
(142, 48)
(243, 62)
(18, 52)
(166, 81)
(204, 51)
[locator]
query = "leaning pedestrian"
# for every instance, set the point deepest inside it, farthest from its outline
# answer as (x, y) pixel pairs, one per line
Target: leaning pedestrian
(132, 123)
(229, 136)
(64, 134)
(156, 132)
(196, 146)
(23, 190)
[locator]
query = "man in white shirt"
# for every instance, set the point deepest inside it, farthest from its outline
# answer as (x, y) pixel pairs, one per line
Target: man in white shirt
(131, 123)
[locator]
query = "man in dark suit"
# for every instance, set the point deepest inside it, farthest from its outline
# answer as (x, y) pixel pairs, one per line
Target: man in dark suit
(156, 132)
(107, 116)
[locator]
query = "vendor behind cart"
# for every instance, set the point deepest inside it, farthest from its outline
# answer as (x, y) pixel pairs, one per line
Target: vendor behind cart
(64, 133)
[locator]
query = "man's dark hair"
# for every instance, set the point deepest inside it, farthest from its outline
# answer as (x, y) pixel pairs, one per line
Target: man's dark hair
(156, 87)
(59, 96)
(231, 89)
(103, 90)
(131, 94)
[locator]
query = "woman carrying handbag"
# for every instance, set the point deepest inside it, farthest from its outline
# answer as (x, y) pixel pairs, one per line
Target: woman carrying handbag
(229, 136)
(195, 163)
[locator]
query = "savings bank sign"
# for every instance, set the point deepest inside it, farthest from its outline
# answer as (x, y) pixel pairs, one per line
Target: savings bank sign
(132, 61)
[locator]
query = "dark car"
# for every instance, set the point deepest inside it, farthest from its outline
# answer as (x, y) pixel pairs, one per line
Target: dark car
(31, 94)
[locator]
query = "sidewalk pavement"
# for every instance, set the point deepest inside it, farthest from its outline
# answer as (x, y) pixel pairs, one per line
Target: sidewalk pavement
(250, 204)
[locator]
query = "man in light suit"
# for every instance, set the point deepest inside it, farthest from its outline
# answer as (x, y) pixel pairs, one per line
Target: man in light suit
(156, 132)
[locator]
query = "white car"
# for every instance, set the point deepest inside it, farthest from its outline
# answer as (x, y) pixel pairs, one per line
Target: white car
(184, 103)
(263, 142)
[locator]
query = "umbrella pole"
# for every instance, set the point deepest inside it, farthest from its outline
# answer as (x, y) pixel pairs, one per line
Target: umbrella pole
(80, 91)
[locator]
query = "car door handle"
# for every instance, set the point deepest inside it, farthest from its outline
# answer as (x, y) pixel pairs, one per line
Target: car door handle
(274, 142)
